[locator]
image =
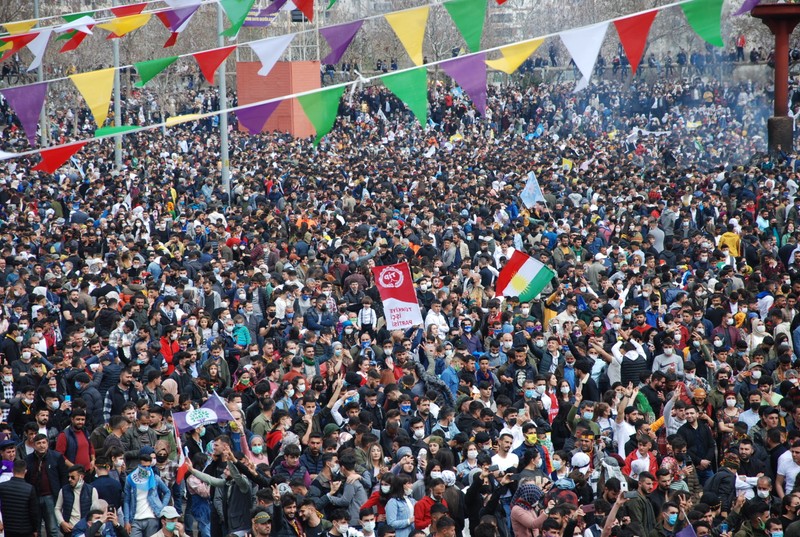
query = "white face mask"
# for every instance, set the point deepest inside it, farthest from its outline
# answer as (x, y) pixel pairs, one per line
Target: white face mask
(564, 389)
(616, 326)
(730, 402)
(507, 345)
(540, 343)
(368, 526)
(472, 454)
(419, 434)
(386, 489)
(289, 393)
(756, 375)
(668, 352)
(540, 389)
(436, 475)
(762, 493)
(8, 378)
(343, 528)
(525, 311)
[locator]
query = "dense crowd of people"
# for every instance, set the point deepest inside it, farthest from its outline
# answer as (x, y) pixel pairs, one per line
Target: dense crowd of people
(649, 389)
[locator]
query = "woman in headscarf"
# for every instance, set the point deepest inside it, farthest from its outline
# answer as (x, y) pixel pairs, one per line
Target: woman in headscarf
(523, 510)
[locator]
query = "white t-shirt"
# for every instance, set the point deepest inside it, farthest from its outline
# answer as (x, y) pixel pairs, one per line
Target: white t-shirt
(622, 433)
(789, 470)
(504, 463)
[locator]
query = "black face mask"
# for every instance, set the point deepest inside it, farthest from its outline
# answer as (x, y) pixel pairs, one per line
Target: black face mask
(755, 406)
(723, 383)
(162, 458)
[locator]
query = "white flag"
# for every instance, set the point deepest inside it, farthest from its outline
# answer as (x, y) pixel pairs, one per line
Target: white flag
(584, 45)
(270, 50)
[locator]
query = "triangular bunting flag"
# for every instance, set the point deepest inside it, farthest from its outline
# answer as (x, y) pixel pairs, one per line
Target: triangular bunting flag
(5, 155)
(210, 60)
(307, 7)
(633, 35)
(270, 50)
(14, 43)
(38, 47)
(411, 87)
(330, 4)
(125, 11)
(321, 108)
(339, 38)
(171, 40)
(470, 73)
(124, 25)
(584, 45)
(177, 120)
(176, 21)
(150, 68)
(705, 18)
(237, 11)
(747, 7)
(253, 118)
(16, 28)
(514, 56)
(53, 159)
(96, 88)
(409, 26)
(27, 102)
(468, 15)
(74, 41)
(111, 130)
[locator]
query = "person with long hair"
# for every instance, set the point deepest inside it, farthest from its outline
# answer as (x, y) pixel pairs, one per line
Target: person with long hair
(400, 507)
(380, 497)
(375, 464)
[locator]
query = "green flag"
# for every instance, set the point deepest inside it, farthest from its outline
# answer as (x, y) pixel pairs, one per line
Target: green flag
(705, 18)
(321, 108)
(468, 15)
(150, 68)
(107, 131)
(330, 4)
(411, 87)
(237, 11)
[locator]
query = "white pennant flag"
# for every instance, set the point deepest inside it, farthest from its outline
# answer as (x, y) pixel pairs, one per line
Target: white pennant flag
(81, 24)
(270, 50)
(584, 45)
(38, 46)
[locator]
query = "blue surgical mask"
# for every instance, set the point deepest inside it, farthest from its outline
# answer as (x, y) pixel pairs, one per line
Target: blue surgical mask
(556, 466)
(467, 329)
(588, 415)
(170, 526)
(530, 393)
(365, 344)
(672, 519)
(405, 408)
(78, 386)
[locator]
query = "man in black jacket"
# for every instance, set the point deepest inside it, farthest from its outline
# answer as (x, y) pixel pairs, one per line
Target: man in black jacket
(47, 472)
(19, 505)
(700, 444)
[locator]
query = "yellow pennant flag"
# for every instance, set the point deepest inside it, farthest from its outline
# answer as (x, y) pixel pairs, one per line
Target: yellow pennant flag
(125, 25)
(6, 46)
(566, 164)
(96, 88)
(514, 55)
(15, 28)
(177, 120)
(410, 29)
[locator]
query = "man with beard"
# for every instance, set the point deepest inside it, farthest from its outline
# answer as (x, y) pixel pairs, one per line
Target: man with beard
(285, 522)
(749, 464)
(261, 523)
(120, 394)
(74, 443)
(700, 444)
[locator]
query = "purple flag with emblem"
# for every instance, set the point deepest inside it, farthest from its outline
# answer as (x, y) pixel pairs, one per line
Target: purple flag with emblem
(27, 102)
(213, 411)
(470, 73)
(339, 38)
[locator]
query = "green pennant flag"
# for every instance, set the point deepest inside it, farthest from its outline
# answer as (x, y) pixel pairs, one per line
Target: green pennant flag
(330, 4)
(73, 17)
(107, 131)
(468, 15)
(411, 87)
(705, 18)
(237, 11)
(150, 68)
(321, 108)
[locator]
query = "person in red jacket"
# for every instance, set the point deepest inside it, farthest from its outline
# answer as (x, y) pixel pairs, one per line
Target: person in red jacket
(641, 459)
(170, 346)
(422, 509)
(379, 498)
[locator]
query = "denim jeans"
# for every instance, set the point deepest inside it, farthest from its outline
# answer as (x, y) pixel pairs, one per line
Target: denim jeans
(47, 506)
(145, 527)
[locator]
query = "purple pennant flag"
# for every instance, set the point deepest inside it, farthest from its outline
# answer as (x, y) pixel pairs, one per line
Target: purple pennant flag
(178, 16)
(339, 38)
(747, 7)
(213, 411)
(254, 117)
(27, 102)
(470, 73)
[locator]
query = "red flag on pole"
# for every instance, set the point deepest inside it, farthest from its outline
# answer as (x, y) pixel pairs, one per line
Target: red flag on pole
(52, 159)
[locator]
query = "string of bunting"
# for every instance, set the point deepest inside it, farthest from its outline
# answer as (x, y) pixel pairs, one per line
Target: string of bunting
(409, 85)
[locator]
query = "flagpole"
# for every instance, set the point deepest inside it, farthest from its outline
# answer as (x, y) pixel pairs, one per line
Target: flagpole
(117, 105)
(40, 78)
(223, 117)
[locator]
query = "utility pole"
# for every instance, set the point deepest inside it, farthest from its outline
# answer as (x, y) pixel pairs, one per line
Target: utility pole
(117, 105)
(40, 77)
(223, 117)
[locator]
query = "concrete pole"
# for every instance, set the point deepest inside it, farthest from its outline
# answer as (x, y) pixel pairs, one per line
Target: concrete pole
(117, 104)
(223, 118)
(43, 127)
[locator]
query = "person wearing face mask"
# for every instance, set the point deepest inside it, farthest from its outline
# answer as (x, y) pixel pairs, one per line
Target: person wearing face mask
(471, 337)
(10, 344)
(170, 524)
(379, 498)
(74, 500)
(422, 509)
(756, 514)
(670, 522)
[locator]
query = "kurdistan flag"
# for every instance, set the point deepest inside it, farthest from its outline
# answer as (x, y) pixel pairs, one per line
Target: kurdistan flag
(523, 276)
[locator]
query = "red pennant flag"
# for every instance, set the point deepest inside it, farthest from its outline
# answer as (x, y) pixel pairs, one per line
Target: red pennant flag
(173, 38)
(501, 2)
(52, 159)
(633, 35)
(210, 60)
(133, 9)
(75, 41)
(307, 7)
(18, 42)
